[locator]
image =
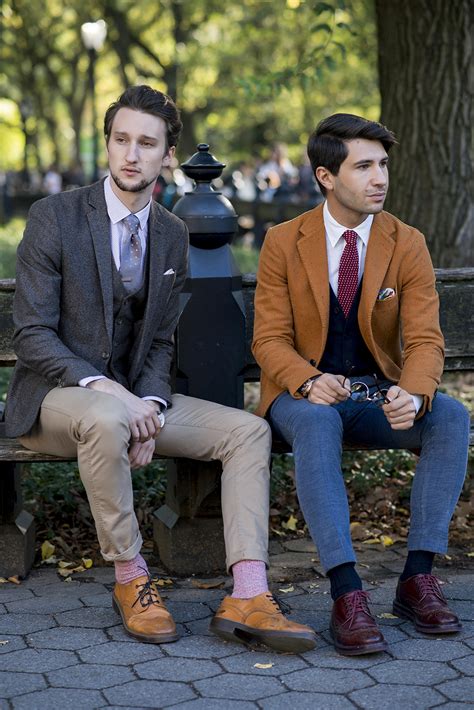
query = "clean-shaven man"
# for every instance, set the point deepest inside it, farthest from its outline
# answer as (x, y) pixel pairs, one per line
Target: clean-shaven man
(348, 340)
(99, 272)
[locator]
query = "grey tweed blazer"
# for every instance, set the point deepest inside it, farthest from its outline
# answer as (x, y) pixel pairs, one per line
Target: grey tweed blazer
(63, 306)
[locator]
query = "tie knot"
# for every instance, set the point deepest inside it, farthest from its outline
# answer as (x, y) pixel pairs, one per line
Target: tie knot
(351, 237)
(132, 222)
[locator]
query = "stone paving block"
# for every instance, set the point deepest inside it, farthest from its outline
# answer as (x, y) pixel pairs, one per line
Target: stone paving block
(454, 706)
(199, 628)
(182, 669)
(13, 593)
(149, 693)
(3, 609)
(465, 665)
(25, 623)
(231, 686)
(100, 575)
(307, 701)
(52, 698)
(195, 647)
(245, 663)
(90, 676)
(44, 605)
(13, 684)
(327, 680)
(121, 653)
(388, 697)
(464, 609)
(188, 611)
(89, 617)
(469, 642)
(71, 590)
(41, 578)
(318, 620)
(14, 643)
(328, 657)
(431, 649)
(412, 672)
(392, 634)
(461, 587)
(37, 661)
(194, 595)
(210, 704)
(66, 638)
(98, 600)
(302, 545)
(313, 602)
(461, 689)
(118, 633)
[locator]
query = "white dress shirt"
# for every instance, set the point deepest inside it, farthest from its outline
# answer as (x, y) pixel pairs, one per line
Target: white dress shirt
(117, 212)
(335, 244)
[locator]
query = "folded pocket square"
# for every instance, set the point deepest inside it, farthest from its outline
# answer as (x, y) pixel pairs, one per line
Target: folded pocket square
(385, 293)
(169, 272)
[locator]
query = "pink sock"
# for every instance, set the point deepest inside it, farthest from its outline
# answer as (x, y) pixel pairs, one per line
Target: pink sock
(129, 570)
(250, 579)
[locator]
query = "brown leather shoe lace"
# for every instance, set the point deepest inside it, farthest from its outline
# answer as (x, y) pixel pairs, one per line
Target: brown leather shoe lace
(428, 586)
(281, 606)
(356, 603)
(147, 594)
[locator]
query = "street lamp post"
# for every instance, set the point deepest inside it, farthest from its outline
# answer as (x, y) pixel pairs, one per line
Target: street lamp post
(93, 36)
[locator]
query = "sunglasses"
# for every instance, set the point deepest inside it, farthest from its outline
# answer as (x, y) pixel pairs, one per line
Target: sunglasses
(360, 392)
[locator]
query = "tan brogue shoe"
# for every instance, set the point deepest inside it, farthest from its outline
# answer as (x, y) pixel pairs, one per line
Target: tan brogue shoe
(143, 613)
(261, 619)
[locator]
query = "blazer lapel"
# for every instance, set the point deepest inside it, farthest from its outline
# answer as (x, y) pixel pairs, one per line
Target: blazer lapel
(313, 252)
(100, 231)
(379, 254)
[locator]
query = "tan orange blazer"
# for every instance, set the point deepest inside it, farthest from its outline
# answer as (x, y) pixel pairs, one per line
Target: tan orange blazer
(292, 307)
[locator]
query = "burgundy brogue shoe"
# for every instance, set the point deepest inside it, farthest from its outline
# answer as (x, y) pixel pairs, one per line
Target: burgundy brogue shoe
(353, 628)
(420, 599)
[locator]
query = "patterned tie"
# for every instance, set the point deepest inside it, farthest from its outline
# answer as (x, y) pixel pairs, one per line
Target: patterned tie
(131, 265)
(348, 272)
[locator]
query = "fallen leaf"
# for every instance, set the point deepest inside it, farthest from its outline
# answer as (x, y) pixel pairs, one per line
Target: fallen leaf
(469, 554)
(162, 582)
(291, 523)
(286, 590)
(4, 643)
(362, 564)
(64, 572)
(448, 557)
(47, 550)
(386, 540)
(386, 615)
(278, 532)
(313, 586)
(14, 579)
(3, 580)
(263, 666)
(373, 541)
(68, 579)
(216, 584)
(87, 562)
(64, 565)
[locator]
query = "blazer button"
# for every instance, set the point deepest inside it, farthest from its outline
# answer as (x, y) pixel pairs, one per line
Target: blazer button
(336, 310)
(105, 355)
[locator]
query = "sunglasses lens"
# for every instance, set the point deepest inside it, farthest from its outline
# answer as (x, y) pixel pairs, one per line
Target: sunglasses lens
(359, 392)
(379, 398)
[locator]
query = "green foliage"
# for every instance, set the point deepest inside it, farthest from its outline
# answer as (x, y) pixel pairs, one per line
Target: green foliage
(246, 258)
(10, 235)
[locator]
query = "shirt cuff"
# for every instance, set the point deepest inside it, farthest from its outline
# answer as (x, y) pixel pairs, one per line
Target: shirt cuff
(417, 401)
(164, 405)
(85, 380)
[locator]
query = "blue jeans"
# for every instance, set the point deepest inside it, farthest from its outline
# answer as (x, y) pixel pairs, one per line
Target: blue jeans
(316, 433)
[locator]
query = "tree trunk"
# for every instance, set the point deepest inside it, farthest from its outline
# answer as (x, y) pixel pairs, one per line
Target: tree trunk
(426, 65)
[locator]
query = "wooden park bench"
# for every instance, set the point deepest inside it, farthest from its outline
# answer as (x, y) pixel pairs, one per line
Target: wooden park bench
(456, 291)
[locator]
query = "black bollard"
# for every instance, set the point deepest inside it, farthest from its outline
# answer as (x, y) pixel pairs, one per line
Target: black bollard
(210, 360)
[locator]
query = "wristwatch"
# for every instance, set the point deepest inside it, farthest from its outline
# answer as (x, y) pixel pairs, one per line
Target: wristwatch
(306, 386)
(161, 418)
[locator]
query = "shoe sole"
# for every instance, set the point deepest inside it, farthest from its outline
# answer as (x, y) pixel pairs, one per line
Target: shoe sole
(285, 641)
(404, 612)
(158, 638)
(365, 650)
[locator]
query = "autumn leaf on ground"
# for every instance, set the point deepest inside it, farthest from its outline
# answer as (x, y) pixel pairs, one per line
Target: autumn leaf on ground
(386, 615)
(372, 541)
(263, 666)
(162, 582)
(286, 590)
(291, 523)
(386, 540)
(3, 580)
(469, 554)
(280, 533)
(14, 580)
(4, 643)
(47, 550)
(87, 563)
(213, 584)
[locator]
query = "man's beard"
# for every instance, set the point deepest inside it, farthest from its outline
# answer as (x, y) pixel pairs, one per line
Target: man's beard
(131, 188)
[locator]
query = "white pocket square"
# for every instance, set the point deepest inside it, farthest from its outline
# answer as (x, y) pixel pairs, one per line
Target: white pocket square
(385, 293)
(169, 272)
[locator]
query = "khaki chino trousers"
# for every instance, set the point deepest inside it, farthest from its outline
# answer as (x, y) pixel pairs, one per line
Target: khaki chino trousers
(93, 426)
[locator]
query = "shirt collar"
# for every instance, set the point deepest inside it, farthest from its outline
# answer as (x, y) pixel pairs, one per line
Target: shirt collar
(334, 230)
(117, 211)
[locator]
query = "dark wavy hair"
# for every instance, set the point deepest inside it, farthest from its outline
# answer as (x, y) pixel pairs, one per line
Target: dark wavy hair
(147, 100)
(327, 144)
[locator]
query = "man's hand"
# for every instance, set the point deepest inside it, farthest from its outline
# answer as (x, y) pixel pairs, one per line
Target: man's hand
(401, 411)
(328, 389)
(141, 453)
(142, 414)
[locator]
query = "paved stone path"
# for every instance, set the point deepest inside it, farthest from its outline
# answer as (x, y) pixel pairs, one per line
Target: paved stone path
(62, 646)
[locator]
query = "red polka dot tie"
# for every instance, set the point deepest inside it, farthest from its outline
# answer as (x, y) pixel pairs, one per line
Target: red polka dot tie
(348, 272)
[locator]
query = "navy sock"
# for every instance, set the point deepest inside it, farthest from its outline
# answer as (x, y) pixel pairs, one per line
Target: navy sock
(344, 579)
(418, 562)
